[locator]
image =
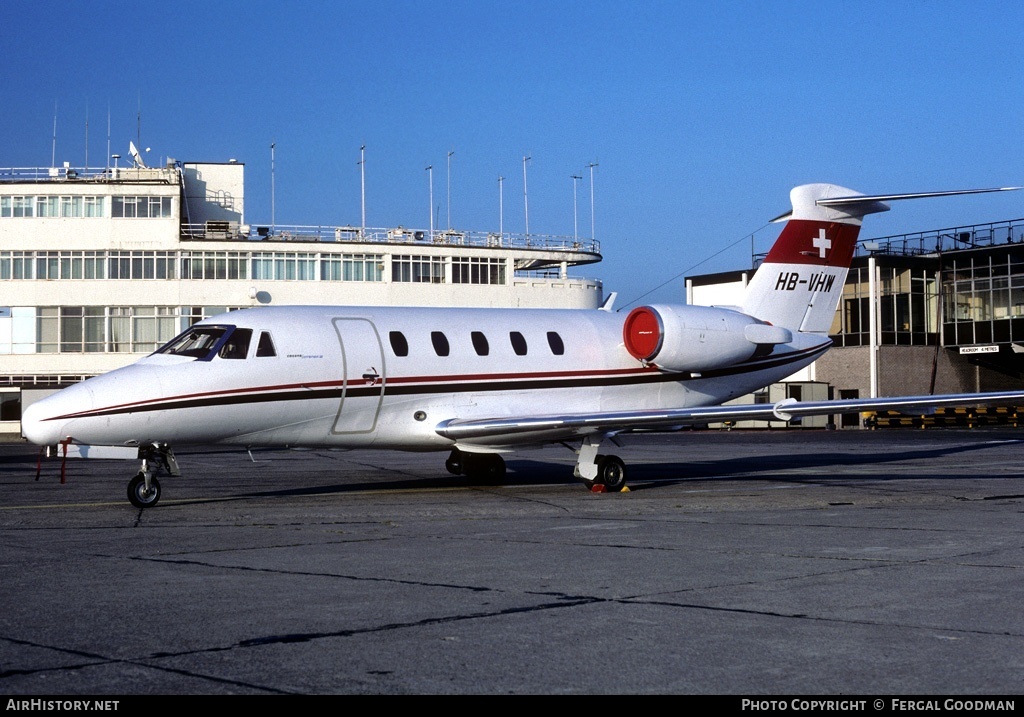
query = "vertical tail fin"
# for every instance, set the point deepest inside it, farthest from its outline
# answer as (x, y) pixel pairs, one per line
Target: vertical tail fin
(799, 284)
(801, 280)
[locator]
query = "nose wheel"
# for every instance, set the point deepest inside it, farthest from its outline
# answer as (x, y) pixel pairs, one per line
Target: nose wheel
(144, 488)
(143, 493)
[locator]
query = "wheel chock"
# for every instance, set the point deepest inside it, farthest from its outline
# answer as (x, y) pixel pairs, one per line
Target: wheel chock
(599, 488)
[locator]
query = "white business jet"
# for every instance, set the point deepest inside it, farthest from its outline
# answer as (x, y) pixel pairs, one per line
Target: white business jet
(482, 382)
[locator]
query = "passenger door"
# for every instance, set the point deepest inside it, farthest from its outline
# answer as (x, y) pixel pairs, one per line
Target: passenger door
(363, 372)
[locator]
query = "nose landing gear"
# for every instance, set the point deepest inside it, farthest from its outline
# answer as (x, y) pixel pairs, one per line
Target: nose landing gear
(144, 488)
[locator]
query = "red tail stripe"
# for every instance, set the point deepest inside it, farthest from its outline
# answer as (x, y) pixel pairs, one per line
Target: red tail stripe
(805, 241)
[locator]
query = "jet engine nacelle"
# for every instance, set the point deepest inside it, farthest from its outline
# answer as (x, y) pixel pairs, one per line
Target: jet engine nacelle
(697, 338)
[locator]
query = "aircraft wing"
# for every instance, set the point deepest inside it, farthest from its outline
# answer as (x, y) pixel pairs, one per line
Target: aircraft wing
(509, 430)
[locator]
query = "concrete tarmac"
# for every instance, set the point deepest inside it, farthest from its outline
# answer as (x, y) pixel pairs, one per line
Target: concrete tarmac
(739, 563)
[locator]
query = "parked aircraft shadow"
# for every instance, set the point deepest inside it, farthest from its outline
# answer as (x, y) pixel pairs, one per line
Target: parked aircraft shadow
(646, 475)
(543, 474)
(654, 475)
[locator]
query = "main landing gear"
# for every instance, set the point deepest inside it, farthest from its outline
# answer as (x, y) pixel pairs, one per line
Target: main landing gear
(144, 488)
(599, 472)
(487, 468)
(611, 473)
(605, 473)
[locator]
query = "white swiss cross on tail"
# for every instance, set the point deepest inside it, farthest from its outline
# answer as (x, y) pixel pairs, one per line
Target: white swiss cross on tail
(822, 243)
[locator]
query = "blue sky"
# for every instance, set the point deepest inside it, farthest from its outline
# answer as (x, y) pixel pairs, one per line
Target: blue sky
(700, 116)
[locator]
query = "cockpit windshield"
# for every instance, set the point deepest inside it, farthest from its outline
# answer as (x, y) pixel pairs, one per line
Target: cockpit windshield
(237, 345)
(198, 342)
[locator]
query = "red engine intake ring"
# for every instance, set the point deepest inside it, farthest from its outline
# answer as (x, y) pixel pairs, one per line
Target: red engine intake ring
(643, 333)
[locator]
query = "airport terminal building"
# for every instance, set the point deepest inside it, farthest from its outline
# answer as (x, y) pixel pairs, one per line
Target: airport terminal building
(100, 266)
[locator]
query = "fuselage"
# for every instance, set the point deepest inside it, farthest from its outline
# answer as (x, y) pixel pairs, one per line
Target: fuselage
(387, 376)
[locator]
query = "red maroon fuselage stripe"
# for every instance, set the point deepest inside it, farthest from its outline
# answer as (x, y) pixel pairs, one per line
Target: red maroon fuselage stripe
(806, 241)
(440, 384)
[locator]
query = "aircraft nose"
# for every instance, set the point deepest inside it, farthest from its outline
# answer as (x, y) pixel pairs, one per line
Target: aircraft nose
(36, 428)
(41, 422)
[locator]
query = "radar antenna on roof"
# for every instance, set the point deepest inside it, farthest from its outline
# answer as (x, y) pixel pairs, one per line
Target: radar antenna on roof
(136, 156)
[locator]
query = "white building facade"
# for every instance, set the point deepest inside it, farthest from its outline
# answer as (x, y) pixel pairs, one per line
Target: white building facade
(100, 266)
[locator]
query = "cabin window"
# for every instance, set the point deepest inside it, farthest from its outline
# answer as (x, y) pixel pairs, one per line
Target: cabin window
(555, 342)
(480, 343)
(237, 345)
(398, 343)
(266, 345)
(440, 342)
(518, 343)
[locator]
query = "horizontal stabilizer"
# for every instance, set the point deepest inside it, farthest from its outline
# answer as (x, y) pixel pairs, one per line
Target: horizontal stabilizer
(862, 199)
(859, 205)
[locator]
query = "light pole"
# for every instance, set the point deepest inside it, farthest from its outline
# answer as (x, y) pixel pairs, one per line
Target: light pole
(362, 185)
(501, 208)
(575, 230)
(450, 189)
(273, 222)
(430, 172)
(526, 200)
(591, 166)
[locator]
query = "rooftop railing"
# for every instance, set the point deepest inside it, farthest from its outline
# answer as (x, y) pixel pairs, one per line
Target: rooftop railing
(974, 236)
(231, 231)
(89, 174)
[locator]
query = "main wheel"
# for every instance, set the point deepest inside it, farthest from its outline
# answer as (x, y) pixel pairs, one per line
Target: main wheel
(611, 472)
(486, 468)
(139, 496)
(455, 463)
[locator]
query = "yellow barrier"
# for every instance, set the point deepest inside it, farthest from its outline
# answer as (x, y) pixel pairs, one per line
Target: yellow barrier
(948, 417)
